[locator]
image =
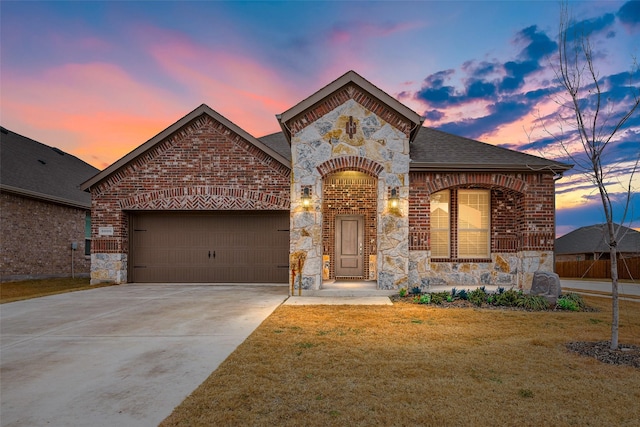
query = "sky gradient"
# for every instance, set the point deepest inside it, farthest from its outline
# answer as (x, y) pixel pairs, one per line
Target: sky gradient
(97, 79)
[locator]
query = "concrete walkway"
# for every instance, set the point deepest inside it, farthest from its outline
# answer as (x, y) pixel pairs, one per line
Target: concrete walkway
(631, 290)
(122, 355)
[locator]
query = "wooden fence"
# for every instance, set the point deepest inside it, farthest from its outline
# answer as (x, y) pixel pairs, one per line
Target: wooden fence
(628, 268)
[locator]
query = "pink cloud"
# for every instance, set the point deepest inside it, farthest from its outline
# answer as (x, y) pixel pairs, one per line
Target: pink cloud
(95, 111)
(239, 88)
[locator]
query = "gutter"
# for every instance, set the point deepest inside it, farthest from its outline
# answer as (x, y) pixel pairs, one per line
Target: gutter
(44, 197)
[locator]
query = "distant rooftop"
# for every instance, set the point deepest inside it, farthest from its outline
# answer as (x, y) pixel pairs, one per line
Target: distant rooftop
(30, 168)
(594, 239)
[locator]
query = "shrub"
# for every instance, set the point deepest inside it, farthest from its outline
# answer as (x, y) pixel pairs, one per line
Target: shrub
(454, 295)
(567, 304)
(403, 292)
(416, 290)
(533, 302)
(425, 299)
(463, 295)
(508, 298)
(577, 298)
(439, 297)
(478, 296)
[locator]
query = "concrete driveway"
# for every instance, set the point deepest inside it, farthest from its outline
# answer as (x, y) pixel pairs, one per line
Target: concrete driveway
(123, 355)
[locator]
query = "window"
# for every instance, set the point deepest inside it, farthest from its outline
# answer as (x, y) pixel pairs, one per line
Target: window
(473, 224)
(470, 237)
(87, 234)
(440, 224)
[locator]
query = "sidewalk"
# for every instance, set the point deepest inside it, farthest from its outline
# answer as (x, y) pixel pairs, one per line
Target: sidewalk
(590, 287)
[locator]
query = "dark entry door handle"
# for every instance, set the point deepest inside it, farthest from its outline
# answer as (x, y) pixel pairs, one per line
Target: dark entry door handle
(209, 254)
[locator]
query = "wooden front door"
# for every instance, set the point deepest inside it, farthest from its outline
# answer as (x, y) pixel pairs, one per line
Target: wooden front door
(349, 246)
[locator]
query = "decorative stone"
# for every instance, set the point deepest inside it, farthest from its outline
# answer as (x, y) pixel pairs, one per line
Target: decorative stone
(546, 284)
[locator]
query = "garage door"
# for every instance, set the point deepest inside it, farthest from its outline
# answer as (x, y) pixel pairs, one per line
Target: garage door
(221, 247)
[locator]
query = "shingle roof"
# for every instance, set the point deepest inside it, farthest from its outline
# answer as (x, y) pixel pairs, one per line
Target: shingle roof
(437, 150)
(278, 143)
(33, 169)
(593, 239)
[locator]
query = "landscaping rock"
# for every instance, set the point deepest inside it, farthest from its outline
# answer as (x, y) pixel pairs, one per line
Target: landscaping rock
(546, 284)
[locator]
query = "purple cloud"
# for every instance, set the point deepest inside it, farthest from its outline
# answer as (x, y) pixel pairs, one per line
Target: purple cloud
(629, 14)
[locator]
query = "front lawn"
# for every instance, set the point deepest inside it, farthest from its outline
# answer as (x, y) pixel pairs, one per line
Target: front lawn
(25, 289)
(413, 364)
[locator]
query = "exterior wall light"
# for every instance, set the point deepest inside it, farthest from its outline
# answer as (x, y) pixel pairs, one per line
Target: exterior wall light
(306, 197)
(394, 200)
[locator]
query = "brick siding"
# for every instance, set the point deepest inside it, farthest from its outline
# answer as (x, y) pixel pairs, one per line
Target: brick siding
(36, 239)
(349, 193)
(203, 166)
(522, 208)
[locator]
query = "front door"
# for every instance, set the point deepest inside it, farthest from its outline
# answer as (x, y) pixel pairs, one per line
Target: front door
(349, 241)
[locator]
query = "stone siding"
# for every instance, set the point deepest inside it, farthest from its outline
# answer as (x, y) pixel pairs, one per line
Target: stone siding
(36, 239)
(321, 146)
(203, 166)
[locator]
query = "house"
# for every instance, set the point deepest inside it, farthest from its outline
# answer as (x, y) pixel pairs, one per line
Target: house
(44, 215)
(591, 243)
(354, 187)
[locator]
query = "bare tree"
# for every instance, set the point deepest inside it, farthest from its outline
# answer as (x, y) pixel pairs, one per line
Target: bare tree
(595, 120)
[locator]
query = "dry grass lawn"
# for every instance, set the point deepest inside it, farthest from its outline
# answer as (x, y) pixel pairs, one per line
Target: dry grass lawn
(25, 289)
(407, 365)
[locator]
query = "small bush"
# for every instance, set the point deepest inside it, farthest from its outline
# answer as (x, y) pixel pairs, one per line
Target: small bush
(416, 290)
(403, 292)
(478, 296)
(577, 298)
(533, 302)
(567, 304)
(500, 290)
(508, 298)
(425, 299)
(463, 295)
(439, 297)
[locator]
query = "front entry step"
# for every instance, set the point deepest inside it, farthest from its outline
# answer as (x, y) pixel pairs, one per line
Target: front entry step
(347, 292)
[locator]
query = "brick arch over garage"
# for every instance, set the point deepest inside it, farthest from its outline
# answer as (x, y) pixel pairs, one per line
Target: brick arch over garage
(204, 198)
(352, 163)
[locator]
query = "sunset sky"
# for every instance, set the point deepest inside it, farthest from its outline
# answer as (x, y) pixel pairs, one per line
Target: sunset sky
(97, 79)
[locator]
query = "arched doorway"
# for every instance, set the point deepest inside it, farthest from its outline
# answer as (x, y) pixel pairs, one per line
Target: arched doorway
(349, 225)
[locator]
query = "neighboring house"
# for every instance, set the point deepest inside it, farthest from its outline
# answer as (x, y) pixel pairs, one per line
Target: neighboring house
(353, 187)
(43, 211)
(591, 243)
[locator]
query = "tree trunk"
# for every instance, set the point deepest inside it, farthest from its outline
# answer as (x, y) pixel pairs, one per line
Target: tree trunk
(614, 297)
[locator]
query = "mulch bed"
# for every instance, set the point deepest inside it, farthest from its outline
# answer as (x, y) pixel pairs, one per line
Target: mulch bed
(626, 355)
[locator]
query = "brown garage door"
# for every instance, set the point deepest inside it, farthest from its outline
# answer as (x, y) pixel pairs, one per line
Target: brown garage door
(221, 247)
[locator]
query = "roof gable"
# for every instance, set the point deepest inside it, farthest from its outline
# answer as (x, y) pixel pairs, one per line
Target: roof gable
(349, 86)
(30, 168)
(174, 129)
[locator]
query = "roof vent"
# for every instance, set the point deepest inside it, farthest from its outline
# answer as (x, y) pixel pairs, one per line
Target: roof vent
(42, 161)
(57, 150)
